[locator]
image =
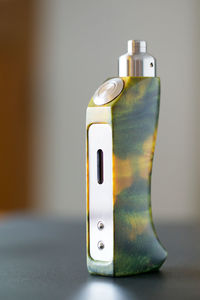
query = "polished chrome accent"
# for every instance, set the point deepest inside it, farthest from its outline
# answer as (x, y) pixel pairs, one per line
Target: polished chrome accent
(100, 195)
(108, 91)
(137, 62)
(100, 225)
(100, 245)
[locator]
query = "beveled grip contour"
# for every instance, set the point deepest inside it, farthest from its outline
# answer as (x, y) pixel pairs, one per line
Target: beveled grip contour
(135, 119)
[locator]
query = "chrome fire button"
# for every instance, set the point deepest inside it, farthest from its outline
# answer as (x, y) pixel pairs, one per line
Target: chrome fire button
(108, 91)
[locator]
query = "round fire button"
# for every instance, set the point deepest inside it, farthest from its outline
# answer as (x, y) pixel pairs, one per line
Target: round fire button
(108, 91)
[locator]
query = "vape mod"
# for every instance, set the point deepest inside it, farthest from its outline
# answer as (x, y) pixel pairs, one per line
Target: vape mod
(122, 119)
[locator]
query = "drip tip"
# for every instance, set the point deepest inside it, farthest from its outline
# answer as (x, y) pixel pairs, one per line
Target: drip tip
(136, 46)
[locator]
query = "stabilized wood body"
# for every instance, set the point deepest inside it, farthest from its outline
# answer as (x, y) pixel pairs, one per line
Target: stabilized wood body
(133, 116)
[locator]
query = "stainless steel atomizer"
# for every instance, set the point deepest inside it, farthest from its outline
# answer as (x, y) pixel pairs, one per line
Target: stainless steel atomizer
(122, 119)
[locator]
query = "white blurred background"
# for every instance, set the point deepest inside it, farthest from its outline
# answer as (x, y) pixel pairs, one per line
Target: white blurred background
(75, 47)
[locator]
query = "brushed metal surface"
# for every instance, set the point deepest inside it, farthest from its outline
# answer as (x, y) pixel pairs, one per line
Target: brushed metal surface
(100, 195)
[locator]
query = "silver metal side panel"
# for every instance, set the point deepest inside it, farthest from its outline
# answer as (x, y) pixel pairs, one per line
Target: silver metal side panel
(100, 195)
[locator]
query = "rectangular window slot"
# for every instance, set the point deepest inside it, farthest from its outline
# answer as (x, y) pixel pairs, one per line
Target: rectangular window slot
(100, 166)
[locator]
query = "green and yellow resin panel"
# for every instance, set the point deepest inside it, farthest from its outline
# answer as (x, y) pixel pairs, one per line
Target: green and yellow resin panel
(133, 116)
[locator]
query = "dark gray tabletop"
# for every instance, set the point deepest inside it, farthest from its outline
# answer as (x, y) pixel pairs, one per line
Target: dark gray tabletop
(45, 259)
